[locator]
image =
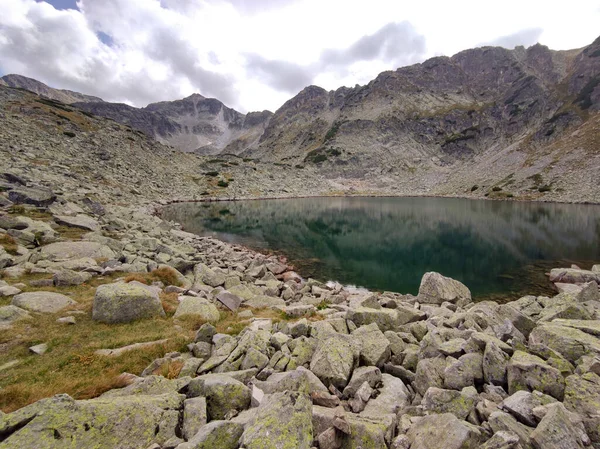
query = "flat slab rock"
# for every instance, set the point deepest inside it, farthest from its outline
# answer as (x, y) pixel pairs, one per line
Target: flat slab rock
(42, 302)
(79, 221)
(76, 250)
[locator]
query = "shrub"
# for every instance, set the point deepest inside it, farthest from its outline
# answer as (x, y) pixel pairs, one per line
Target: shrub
(9, 244)
(496, 189)
(544, 188)
(69, 134)
(212, 173)
(223, 184)
(475, 187)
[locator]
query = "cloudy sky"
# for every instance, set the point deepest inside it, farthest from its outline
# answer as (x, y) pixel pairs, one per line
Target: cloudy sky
(256, 54)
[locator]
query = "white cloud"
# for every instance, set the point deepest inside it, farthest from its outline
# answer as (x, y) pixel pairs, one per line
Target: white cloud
(254, 54)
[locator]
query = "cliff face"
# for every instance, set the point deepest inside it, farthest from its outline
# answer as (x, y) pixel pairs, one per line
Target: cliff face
(193, 124)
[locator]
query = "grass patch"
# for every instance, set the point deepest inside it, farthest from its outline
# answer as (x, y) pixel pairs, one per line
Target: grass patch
(165, 275)
(9, 244)
(70, 365)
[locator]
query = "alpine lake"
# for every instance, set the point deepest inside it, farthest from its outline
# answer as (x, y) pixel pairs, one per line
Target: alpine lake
(501, 250)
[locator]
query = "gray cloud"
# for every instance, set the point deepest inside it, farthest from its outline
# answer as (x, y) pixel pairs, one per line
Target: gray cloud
(395, 44)
(63, 52)
(257, 6)
(526, 37)
(282, 75)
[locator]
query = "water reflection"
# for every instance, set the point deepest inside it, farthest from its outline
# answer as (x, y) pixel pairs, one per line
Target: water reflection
(388, 243)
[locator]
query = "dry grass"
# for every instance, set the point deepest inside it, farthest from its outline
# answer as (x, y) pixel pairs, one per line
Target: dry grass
(70, 365)
(9, 244)
(165, 275)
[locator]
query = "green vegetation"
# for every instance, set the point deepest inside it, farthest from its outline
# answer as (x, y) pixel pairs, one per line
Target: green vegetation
(544, 188)
(332, 131)
(69, 134)
(212, 173)
(223, 183)
(496, 189)
(321, 154)
(475, 187)
(9, 244)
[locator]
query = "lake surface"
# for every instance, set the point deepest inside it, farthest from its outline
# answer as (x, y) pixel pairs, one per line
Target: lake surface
(499, 249)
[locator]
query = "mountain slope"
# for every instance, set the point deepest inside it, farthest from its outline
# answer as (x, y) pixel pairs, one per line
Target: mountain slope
(35, 86)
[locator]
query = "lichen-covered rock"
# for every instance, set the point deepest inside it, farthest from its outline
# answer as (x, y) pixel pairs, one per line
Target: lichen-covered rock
(29, 195)
(194, 416)
(573, 276)
(128, 422)
(582, 396)
(529, 372)
(223, 394)
(503, 439)
(216, 435)
(393, 396)
(42, 302)
(430, 373)
(386, 319)
(205, 275)
(464, 371)
(522, 403)
(495, 362)
(436, 289)
(374, 347)
(283, 421)
(79, 221)
(362, 374)
(459, 403)
(500, 421)
(557, 431)
(443, 431)
(568, 341)
(124, 302)
(334, 359)
(198, 307)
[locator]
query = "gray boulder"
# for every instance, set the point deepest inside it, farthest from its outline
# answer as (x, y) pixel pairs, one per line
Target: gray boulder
(374, 347)
(43, 302)
(205, 275)
(522, 403)
(79, 221)
(557, 430)
(199, 307)
(283, 420)
(570, 342)
(223, 394)
(194, 416)
(443, 431)
(216, 435)
(76, 250)
(124, 302)
(529, 372)
(459, 403)
(437, 289)
(334, 359)
(28, 195)
(64, 278)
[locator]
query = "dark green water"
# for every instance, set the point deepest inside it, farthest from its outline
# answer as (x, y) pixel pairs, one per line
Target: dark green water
(500, 250)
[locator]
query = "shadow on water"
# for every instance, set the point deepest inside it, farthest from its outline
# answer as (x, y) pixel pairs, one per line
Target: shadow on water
(500, 250)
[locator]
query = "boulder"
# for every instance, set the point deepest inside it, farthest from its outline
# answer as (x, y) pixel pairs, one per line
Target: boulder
(42, 302)
(76, 250)
(229, 300)
(197, 307)
(393, 396)
(205, 275)
(573, 276)
(500, 421)
(370, 374)
(459, 403)
(444, 431)
(522, 403)
(223, 394)
(10, 314)
(374, 347)
(386, 319)
(529, 372)
(502, 439)
(28, 195)
(437, 289)
(283, 420)
(464, 371)
(194, 416)
(430, 373)
(334, 359)
(124, 302)
(557, 431)
(568, 341)
(495, 363)
(216, 435)
(64, 278)
(79, 221)
(127, 422)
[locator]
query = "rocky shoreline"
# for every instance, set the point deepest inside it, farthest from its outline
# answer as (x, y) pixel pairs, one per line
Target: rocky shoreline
(333, 368)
